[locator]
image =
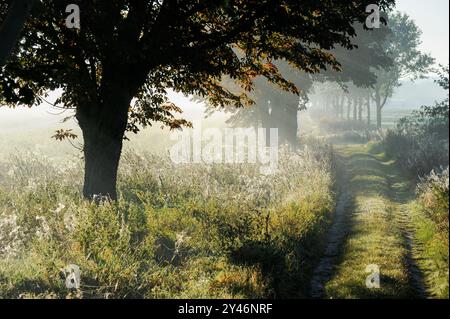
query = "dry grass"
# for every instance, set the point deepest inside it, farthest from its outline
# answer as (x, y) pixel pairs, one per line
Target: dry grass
(193, 231)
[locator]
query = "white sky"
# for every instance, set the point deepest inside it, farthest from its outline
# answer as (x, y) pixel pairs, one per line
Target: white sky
(432, 18)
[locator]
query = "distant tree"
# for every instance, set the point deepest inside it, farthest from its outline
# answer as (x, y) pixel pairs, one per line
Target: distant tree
(358, 103)
(346, 94)
(135, 50)
(433, 119)
(343, 101)
(275, 108)
(359, 66)
(440, 110)
(402, 46)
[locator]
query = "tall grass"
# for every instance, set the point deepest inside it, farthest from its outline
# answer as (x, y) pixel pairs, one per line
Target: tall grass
(189, 231)
(417, 153)
(432, 231)
(420, 144)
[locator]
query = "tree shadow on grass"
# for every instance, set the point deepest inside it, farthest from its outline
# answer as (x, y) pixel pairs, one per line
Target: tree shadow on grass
(31, 288)
(286, 264)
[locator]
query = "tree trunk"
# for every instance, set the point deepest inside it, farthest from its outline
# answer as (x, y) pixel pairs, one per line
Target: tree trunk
(355, 109)
(102, 155)
(336, 106)
(266, 120)
(349, 108)
(379, 110)
(103, 128)
(379, 117)
(285, 118)
(360, 109)
(293, 127)
(341, 107)
(369, 120)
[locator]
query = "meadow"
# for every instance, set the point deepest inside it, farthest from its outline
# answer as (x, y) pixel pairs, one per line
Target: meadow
(178, 231)
(222, 231)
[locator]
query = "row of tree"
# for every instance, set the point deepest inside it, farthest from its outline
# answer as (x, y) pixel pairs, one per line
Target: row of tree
(368, 77)
(350, 103)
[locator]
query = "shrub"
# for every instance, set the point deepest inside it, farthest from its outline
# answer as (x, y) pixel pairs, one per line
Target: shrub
(420, 142)
(417, 154)
(432, 223)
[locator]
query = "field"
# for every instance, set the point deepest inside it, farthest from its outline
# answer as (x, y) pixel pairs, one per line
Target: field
(216, 231)
(192, 231)
(391, 116)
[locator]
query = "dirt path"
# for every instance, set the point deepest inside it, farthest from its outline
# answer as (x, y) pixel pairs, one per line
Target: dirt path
(371, 231)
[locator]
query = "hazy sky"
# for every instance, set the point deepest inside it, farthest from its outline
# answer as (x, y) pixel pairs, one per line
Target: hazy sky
(433, 19)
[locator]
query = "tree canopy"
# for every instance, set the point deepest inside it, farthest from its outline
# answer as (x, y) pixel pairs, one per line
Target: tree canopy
(11, 24)
(134, 50)
(402, 46)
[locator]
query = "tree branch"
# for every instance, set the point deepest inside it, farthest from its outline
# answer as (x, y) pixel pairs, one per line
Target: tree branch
(11, 28)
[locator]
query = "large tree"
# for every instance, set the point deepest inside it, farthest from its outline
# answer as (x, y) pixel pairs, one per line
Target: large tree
(135, 50)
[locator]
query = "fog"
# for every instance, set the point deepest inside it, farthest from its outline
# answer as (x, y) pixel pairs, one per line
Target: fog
(44, 119)
(410, 96)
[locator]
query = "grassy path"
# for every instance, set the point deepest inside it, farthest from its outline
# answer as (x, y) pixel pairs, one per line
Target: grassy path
(372, 229)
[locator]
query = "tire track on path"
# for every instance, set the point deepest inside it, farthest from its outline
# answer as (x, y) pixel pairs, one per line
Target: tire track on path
(372, 226)
(336, 236)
